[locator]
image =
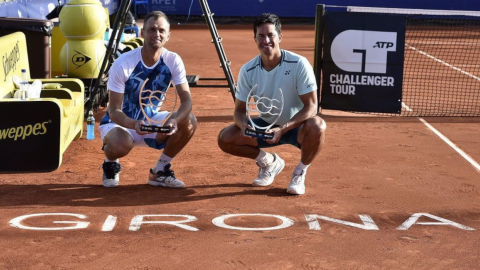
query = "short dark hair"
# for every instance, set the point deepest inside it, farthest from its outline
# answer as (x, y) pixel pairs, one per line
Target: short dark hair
(267, 18)
(155, 14)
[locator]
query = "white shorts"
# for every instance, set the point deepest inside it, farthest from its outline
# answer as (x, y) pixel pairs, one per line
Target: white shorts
(147, 140)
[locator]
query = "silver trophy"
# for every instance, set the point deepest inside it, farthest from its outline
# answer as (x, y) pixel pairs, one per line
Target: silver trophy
(154, 100)
(258, 106)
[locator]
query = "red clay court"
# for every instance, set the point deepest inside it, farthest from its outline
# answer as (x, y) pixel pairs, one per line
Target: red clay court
(385, 192)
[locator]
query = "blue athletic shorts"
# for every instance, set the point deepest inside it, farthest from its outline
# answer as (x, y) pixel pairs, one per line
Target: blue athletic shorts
(288, 138)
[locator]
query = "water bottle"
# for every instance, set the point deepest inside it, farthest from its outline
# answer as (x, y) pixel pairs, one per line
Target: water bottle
(90, 126)
(106, 36)
(24, 85)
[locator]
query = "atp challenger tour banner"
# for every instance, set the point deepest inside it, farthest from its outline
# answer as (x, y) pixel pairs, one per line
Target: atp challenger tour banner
(363, 62)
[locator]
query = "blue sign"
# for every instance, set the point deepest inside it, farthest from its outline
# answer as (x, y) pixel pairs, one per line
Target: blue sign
(111, 5)
(252, 8)
(295, 8)
(39, 9)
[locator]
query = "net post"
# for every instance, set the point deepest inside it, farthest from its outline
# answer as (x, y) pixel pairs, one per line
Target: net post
(317, 55)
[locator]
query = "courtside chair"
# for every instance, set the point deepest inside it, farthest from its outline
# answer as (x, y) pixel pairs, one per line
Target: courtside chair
(141, 2)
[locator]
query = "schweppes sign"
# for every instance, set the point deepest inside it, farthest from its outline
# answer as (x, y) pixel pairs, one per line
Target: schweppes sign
(29, 137)
(23, 132)
(10, 60)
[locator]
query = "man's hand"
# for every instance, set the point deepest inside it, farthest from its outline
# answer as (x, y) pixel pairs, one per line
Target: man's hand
(138, 123)
(277, 134)
(173, 124)
(246, 126)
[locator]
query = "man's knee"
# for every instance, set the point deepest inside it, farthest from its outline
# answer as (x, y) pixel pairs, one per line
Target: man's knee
(190, 124)
(117, 146)
(225, 138)
(316, 126)
(221, 138)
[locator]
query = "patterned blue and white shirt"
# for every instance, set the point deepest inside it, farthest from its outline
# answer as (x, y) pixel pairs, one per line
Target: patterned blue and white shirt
(128, 74)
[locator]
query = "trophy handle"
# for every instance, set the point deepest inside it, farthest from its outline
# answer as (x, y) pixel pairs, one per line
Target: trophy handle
(140, 101)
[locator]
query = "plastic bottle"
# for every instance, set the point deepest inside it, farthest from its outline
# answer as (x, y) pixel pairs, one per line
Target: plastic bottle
(24, 85)
(107, 34)
(90, 126)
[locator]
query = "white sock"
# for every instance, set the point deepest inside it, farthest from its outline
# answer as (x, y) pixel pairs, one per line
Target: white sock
(264, 158)
(300, 167)
(108, 160)
(162, 162)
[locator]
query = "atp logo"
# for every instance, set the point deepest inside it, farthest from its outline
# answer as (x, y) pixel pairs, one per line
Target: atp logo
(79, 59)
(381, 44)
(363, 51)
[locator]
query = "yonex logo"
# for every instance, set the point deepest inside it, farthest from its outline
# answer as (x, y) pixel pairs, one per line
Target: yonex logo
(287, 72)
(363, 51)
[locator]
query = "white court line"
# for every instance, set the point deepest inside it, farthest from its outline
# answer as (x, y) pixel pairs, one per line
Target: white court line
(109, 223)
(447, 141)
(443, 62)
(451, 144)
(438, 133)
(423, 42)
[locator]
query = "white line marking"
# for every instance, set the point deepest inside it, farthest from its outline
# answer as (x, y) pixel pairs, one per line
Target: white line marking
(220, 222)
(109, 223)
(72, 188)
(137, 221)
(16, 222)
(368, 223)
(451, 144)
(438, 133)
(426, 42)
(446, 140)
(406, 107)
(442, 62)
(413, 221)
(412, 11)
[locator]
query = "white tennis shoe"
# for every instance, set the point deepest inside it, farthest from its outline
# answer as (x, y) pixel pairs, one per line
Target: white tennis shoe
(267, 174)
(165, 178)
(297, 184)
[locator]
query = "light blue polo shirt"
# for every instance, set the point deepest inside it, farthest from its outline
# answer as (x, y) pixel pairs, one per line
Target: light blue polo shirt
(294, 75)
